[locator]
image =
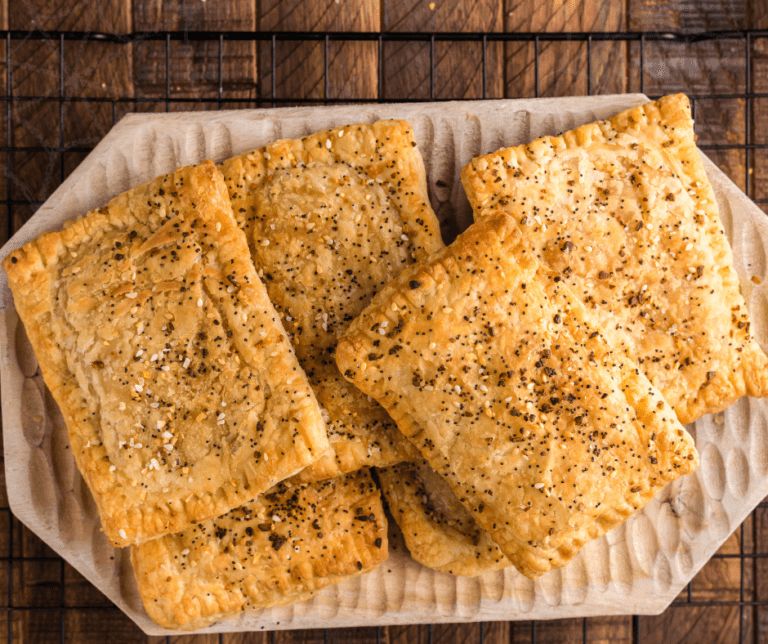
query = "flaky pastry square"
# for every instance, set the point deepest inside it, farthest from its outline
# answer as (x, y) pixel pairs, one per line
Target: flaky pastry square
(512, 392)
(281, 548)
(181, 392)
(330, 219)
(624, 211)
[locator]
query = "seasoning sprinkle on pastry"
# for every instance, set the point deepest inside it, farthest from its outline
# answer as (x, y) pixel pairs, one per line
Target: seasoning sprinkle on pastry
(281, 548)
(514, 395)
(330, 220)
(180, 390)
(624, 211)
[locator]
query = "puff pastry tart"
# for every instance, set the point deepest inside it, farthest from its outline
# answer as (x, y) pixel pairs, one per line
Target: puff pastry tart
(624, 211)
(330, 220)
(515, 396)
(438, 531)
(181, 392)
(284, 547)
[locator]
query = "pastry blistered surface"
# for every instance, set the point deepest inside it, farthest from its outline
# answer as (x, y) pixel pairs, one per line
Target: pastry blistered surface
(330, 220)
(285, 546)
(495, 371)
(170, 365)
(624, 211)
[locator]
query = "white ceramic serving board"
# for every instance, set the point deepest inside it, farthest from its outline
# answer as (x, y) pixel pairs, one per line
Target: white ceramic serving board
(639, 567)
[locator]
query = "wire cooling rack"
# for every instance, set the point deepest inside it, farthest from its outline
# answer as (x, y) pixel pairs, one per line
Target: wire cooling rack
(749, 547)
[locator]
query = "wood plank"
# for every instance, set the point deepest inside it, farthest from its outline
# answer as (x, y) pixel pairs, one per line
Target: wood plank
(110, 16)
(299, 66)
(698, 68)
(759, 568)
(563, 66)
(694, 624)
(456, 633)
(211, 638)
(406, 634)
(497, 633)
(690, 17)
(3, 156)
(369, 635)
(90, 70)
(98, 626)
(458, 67)
(609, 630)
(245, 638)
(194, 66)
(560, 631)
(720, 579)
(758, 19)
(306, 636)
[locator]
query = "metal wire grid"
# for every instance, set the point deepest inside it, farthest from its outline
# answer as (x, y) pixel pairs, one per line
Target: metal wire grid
(273, 100)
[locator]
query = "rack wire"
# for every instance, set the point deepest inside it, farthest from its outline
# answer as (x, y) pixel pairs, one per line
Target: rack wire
(749, 553)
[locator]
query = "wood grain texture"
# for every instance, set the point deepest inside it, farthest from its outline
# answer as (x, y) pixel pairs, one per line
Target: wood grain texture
(194, 66)
(698, 69)
(496, 632)
(758, 19)
(609, 630)
(306, 636)
(82, 69)
(243, 638)
(110, 16)
(299, 66)
(692, 625)
(411, 634)
(458, 67)
(563, 66)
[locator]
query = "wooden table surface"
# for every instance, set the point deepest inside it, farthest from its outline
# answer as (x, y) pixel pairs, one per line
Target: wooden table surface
(56, 135)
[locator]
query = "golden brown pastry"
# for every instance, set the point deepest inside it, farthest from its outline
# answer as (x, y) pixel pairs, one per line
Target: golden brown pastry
(439, 532)
(514, 395)
(281, 548)
(180, 390)
(330, 220)
(624, 211)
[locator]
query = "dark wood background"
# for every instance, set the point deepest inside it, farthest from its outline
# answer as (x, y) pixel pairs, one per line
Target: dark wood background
(55, 137)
